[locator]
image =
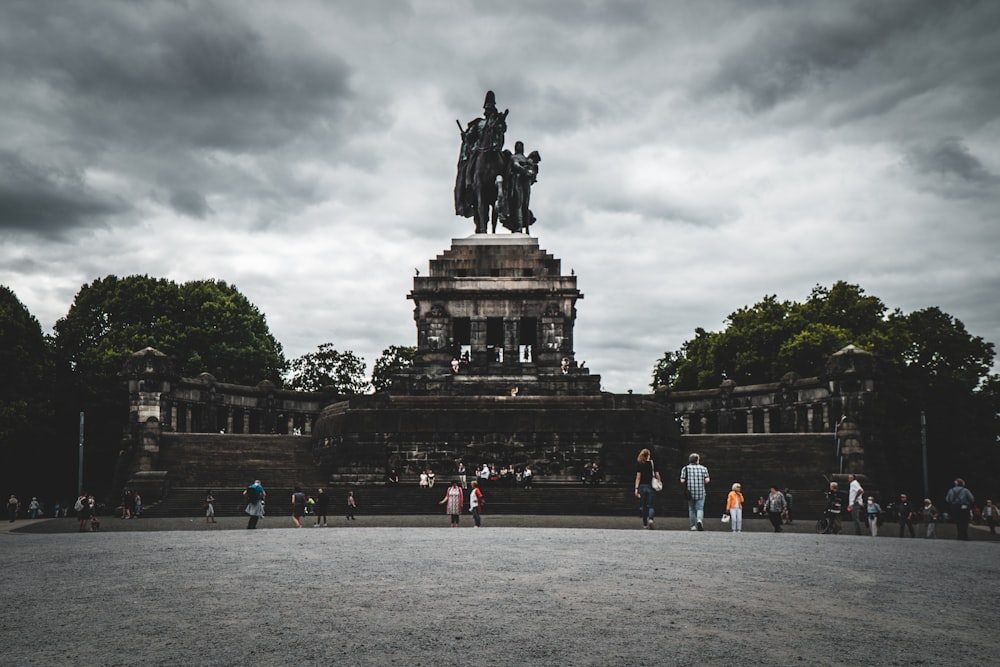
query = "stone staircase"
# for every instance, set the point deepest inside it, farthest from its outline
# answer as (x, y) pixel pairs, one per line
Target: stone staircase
(217, 461)
(227, 463)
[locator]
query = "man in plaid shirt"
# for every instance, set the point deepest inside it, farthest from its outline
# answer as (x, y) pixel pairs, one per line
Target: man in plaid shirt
(694, 477)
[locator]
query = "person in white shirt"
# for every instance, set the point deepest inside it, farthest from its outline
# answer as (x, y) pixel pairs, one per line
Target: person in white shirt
(856, 501)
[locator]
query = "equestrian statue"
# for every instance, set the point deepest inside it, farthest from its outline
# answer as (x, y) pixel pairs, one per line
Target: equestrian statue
(492, 183)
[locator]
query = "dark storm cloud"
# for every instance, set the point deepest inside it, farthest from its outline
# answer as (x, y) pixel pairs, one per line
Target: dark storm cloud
(48, 200)
(166, 101)
(161, 74)
(949, 158)
(793, 46)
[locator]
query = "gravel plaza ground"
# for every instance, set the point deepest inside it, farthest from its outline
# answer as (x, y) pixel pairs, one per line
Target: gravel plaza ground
(522, 590)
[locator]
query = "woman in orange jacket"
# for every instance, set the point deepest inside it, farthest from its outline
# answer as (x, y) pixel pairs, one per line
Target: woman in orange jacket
(734, 507)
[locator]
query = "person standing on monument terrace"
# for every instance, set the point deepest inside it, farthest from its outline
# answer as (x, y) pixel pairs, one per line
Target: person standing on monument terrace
(856, 502)
(645, 473)
(462, 475)
(960, 499)
(322, 505)
(453, 501)
(694, 477)
(255, 495)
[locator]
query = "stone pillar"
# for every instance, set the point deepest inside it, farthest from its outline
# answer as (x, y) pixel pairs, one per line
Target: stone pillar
(188, 417)
(477, 341)
(749, 421)
(809, 418)
(511, 335)
(767, 421)
(246, 420)
(308, 425)
(173, 417)
(291, 424)
(229, 419)
(686, 421)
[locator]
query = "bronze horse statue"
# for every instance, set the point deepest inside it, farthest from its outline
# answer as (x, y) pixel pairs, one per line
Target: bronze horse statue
(480, 162)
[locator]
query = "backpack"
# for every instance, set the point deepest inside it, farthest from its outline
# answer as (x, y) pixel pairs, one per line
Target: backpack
(79, 504)
(252, 495)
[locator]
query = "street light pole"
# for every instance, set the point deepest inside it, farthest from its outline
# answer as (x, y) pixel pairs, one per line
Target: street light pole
(923, 447)
(79, 475)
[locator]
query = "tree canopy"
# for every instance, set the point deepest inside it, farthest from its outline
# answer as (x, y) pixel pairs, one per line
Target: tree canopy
(931, 364)
(26, 407)
(328, 367)
(393, 360)
(205, 325)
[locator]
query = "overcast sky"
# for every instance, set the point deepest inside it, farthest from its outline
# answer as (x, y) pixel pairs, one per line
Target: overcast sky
(696, 156)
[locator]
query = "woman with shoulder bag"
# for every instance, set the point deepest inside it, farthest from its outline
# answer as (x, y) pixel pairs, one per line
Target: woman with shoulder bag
(645, 473)
(734, 508)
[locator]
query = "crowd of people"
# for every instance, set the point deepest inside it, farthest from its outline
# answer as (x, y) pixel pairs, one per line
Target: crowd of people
(485, 475)
(862, 510)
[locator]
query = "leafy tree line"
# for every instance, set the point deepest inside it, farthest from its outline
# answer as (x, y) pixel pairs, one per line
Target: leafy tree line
(931, 364)
(204, 325)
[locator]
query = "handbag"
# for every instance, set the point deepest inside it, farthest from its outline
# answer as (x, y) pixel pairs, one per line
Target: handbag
(654, 482)
(725, 518)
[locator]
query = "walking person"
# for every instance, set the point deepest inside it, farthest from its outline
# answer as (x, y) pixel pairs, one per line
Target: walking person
(872, 511)
(855, 503)
(775, 507)
(322, 505)
(960, 499)
(351, 506)
(255, 496)
(83, 511)
(298, 506)
(694, 477)
(990, 515)
(930, 518)
(905, 515)
(645, 473)
(476, 503)
(209, 507)
(13, 505)
(734, 507)
(453, 501)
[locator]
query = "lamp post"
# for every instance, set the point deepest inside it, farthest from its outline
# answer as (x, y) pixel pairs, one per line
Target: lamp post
(923, 447)
(79, 473)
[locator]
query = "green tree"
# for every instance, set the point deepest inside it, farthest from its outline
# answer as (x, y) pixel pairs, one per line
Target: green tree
(931, 365)
(327, 367)
(26, 410)
(205, 325)
(394, 360)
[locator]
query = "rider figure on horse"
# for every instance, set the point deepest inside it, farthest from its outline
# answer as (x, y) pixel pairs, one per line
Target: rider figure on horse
(479, 163)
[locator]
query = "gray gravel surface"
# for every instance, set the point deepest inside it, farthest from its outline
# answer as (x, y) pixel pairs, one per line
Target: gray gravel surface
(493, 596)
